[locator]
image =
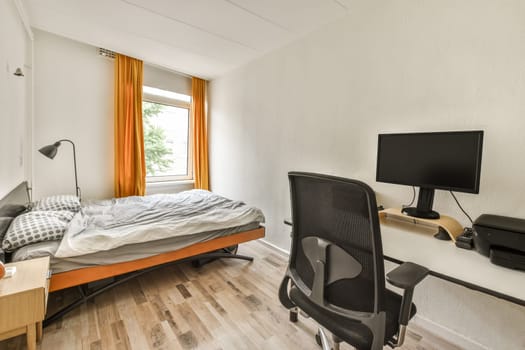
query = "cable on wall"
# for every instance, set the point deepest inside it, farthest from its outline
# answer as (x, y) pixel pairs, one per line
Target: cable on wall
(460, 207)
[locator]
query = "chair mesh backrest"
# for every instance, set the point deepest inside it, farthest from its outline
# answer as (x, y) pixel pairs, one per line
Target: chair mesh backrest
(344, 212)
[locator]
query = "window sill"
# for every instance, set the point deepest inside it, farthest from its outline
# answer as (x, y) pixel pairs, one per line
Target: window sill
(169, 186)
(170, 182)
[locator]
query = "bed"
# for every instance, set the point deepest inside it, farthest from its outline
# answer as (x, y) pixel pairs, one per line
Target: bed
(121, 239)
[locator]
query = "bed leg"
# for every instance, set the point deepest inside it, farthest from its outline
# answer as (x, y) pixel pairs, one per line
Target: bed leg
(63, 311)
(228, 253)
(85, 296)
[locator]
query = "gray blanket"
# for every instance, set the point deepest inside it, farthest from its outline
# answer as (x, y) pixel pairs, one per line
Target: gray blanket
(105, 225)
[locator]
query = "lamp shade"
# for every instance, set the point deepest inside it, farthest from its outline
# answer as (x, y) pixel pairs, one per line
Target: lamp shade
(50, 151)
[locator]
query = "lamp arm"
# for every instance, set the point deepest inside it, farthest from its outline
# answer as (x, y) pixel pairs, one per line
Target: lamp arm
(77, 189)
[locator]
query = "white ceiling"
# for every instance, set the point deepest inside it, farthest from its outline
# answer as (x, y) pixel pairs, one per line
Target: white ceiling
(205, 38)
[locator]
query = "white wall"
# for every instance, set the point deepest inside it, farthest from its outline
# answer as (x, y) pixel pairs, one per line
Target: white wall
(15, 51)
(389, 66)
(74, 92)
(73, 100)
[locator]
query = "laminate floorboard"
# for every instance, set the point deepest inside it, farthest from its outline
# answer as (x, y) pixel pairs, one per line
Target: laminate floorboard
(226, 304)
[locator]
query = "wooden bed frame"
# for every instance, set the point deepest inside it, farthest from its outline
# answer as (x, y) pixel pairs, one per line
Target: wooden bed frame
(124, 271)
(81, 276)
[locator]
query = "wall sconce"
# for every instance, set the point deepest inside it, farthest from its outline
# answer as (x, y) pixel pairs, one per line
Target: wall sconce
(18, 72)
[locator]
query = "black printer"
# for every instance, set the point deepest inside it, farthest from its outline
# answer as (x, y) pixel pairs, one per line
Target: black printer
(502, 239)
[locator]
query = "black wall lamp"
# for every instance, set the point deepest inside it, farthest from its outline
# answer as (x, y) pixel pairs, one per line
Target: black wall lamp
(18, 72)
(50, 152)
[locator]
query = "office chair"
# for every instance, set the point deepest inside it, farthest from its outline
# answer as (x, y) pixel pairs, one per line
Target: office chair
(336, 272)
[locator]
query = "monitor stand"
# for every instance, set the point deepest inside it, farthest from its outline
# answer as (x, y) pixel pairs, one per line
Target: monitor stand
(446, 225)
(425, 200)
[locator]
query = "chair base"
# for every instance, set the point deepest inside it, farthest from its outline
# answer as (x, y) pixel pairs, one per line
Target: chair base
(323, 342)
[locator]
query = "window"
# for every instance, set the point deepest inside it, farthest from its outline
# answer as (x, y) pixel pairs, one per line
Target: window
(167, 130)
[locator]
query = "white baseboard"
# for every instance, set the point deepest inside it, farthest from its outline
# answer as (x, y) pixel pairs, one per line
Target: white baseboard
(448, 334)
(271, 245)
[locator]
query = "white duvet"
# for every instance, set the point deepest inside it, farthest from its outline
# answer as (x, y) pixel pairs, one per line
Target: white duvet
(105, 225)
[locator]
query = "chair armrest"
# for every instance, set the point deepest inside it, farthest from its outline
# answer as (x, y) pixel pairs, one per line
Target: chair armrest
(407, 275)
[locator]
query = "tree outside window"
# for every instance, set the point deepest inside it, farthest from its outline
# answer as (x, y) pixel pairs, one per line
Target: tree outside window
(167, 130)
(156, 145)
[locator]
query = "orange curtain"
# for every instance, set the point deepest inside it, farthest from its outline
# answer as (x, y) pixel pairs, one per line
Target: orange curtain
(200, 133)
(130, 164)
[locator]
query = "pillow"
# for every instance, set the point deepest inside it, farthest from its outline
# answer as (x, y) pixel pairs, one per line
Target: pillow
(61, 202)
(4, 225)
(36, 226)
(12, 210)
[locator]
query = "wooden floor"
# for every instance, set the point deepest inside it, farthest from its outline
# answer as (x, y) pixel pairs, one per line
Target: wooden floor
(227, 304)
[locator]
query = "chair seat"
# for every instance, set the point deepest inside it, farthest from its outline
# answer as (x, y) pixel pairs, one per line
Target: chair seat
(350, 331)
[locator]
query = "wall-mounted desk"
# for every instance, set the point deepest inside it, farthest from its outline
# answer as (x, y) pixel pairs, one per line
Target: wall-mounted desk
(404, 241)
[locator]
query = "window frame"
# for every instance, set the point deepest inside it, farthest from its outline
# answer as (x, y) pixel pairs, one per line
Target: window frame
(179, 104)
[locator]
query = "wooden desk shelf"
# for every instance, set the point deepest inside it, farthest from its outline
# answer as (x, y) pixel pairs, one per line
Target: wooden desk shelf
(450, 225)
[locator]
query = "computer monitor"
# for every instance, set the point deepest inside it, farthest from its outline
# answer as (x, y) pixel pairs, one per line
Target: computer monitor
(431, 160)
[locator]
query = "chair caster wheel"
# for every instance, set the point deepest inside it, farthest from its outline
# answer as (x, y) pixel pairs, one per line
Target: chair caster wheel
(293, 316)
(318, 339)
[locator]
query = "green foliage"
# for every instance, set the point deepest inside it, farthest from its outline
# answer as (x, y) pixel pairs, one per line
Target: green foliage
(155, 144)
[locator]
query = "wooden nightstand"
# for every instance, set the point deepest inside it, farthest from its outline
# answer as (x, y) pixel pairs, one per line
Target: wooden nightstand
(23, 300)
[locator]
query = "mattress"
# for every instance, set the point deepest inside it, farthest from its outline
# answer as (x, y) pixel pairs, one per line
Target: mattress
(124, 229)
(121, 254)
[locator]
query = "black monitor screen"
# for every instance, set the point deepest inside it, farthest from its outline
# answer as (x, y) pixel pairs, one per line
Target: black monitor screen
(440, 160)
